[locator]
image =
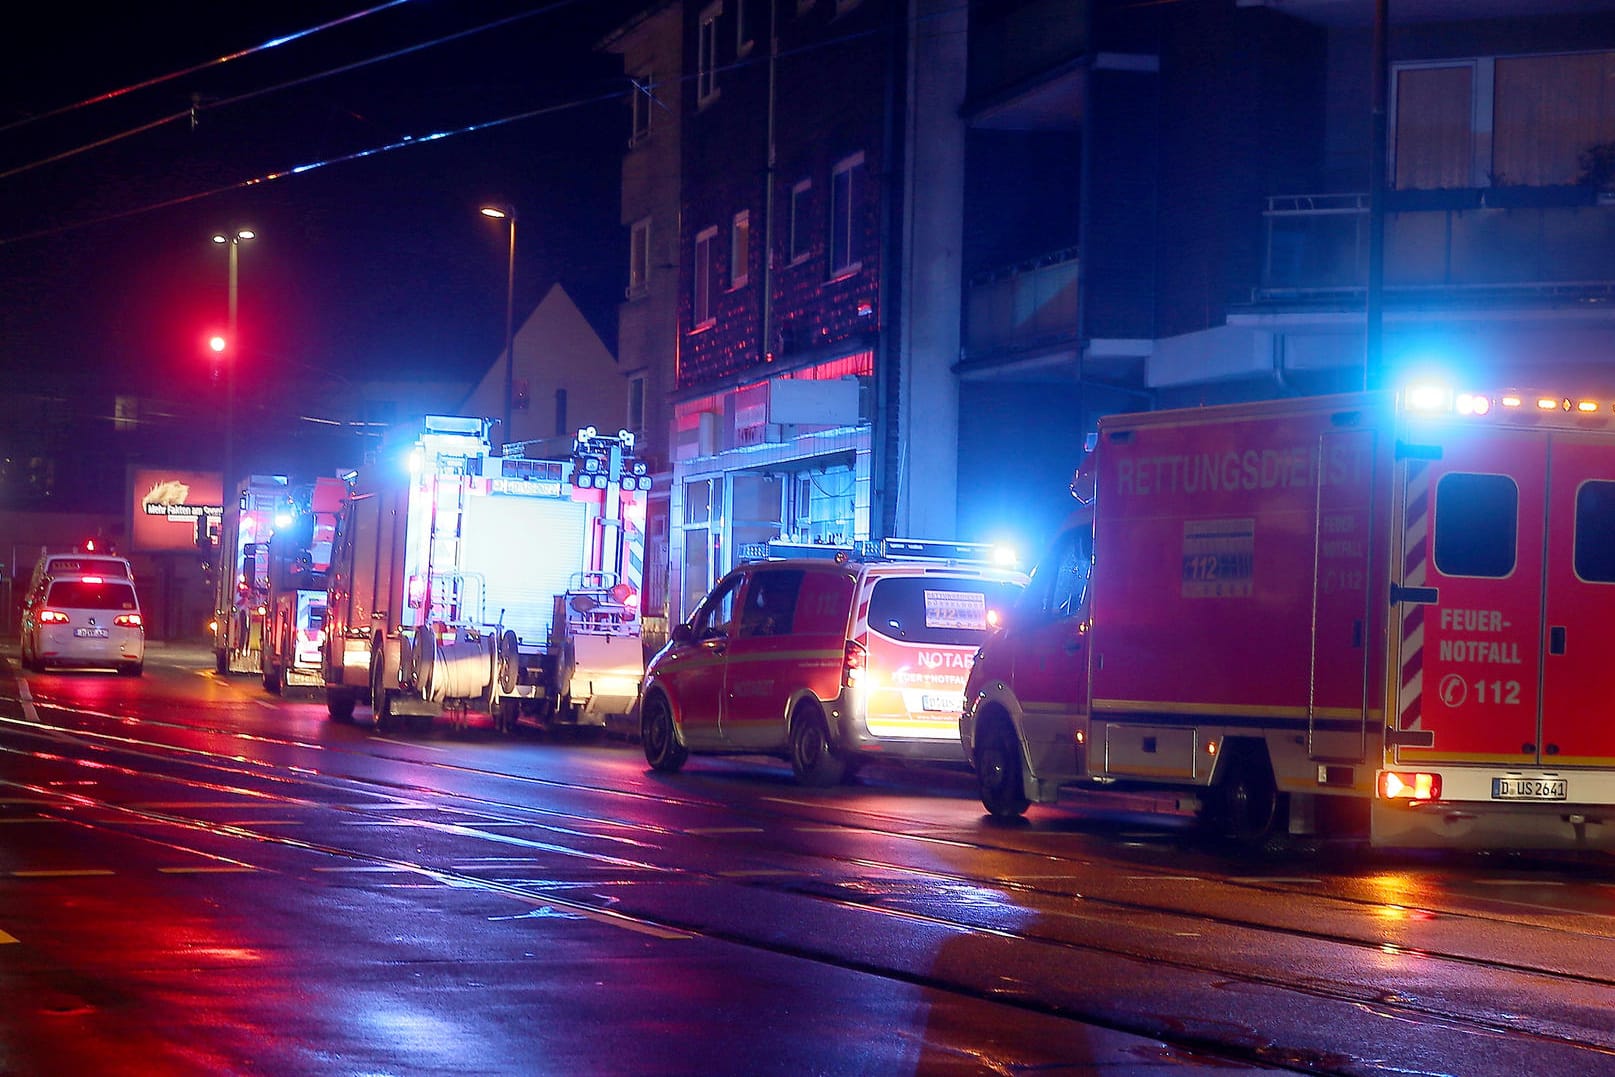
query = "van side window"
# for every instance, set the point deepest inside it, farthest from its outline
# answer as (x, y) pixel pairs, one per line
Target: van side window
(1476, 525)
(1595, 532)
(717, 613)
(770, 603)
(1060, 582)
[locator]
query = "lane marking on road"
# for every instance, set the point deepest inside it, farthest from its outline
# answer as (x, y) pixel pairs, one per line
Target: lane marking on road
(180, 805)
(1291, 879)
(36, 819)
(761, 873)
(210, 869)
(1517, 882)
(5, 938)
(409, 744)
(266, 704)
(26, 698)
(60, 873)
(364, 869)
(706, 830)
(261, 822)
(1159, 878)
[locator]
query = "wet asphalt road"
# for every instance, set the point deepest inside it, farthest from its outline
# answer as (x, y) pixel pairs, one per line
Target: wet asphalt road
(199, 877)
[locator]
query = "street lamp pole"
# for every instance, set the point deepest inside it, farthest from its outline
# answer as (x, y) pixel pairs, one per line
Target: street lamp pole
(230, 351)
(508, 214)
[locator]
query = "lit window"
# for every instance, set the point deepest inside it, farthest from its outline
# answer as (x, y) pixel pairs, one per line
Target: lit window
(740, 249)
(639, 258)
(801, 243)
(701, 297)
(706, 72)
(844, 215)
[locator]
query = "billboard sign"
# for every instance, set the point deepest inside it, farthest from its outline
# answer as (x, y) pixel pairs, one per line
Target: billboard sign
(169, 504)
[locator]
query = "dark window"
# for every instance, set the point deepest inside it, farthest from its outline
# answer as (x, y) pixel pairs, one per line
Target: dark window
(85, 595)
(1595, 532)
(717, 613)
(938, 609)
(770, 603)
(1476, 525)
(1060, 581)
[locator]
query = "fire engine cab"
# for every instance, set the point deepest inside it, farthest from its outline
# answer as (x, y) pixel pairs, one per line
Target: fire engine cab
(463, 580)
(1365, 609)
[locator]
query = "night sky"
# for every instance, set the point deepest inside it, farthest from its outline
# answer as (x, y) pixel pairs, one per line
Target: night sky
(379, 265)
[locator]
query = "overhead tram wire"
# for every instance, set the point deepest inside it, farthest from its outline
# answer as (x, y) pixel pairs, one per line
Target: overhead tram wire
(403, 143)
(273, 43)
(196, 109)
(358, 155)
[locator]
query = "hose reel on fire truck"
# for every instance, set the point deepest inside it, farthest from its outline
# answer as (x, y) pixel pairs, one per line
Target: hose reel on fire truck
(457, 669)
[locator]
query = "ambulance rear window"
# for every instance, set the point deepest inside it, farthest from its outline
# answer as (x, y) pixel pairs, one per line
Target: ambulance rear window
(937, 609)
(1595, 532)
(1476, 521)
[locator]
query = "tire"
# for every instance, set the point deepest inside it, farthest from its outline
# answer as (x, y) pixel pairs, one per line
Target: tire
(999, 778)
(381, 700)
(131, 669)
(663, 751)
(272, 678)
(813, 761)
(1248, 801)
(339, 704)
(221, 664)
(507, 714)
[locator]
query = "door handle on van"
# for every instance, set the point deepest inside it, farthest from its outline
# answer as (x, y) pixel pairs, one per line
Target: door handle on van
(1556, 639)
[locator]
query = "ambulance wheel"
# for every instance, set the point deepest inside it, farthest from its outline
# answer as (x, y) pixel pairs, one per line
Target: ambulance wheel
(1248, 799)
(998, 772)
(812, 760)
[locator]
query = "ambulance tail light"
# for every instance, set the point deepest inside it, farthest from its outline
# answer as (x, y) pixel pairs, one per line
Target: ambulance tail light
(128, 620)
(854, 660)
(1409, 785)
(52, 617)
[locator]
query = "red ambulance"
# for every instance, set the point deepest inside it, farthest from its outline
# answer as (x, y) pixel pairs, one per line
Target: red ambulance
(827, 660)
(1377, 611)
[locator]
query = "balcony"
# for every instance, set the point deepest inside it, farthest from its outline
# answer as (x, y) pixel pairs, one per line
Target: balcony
(1524, 242)
(1024, 307)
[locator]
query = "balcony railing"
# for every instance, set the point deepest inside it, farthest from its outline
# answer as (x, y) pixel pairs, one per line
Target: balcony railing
(1023, 305)
(1553, 241)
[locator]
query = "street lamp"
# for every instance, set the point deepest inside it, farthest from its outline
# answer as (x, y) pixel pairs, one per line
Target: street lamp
(228, 349)
(508, 213)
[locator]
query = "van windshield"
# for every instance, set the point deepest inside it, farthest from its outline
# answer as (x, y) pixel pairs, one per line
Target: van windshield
(87, 595)
(938, 610)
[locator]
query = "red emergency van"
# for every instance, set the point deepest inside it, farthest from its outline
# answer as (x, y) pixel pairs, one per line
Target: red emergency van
(827, 660)
(1388, 610)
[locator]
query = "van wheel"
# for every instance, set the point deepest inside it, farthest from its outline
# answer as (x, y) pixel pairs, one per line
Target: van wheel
(662, 748)
(1248, 804)
(811, 758)
(998, 772)
(132, 669)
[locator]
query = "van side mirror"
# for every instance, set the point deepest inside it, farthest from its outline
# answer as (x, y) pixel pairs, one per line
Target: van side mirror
(683, 633)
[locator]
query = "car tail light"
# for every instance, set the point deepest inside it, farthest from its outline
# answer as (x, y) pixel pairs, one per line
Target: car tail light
(1409, 785)
(853, 662)
(52, 617)
(127, 620)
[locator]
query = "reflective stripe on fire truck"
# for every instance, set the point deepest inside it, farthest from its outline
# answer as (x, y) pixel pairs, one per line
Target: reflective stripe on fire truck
(1415, 562)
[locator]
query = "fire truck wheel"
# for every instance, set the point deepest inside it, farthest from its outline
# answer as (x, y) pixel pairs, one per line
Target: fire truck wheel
(507, 715)
(339, 705)
(220, 663)
(998, 772)
(271, 678)
(1248, 804)
(662, 748)
(812, 759)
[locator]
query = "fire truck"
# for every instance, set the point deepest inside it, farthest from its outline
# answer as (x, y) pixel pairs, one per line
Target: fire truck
(241, 583)
(465, 580)
(1380, 612)
(299, 555)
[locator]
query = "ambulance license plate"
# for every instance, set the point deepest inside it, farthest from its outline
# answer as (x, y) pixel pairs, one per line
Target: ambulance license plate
(1529, 788)
(932, 702)
(90, 633)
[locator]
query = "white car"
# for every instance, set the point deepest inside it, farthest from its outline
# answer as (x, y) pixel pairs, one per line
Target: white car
(86, 622)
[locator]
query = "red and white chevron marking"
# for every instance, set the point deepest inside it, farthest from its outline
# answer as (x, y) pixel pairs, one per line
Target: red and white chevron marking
(1415, 565)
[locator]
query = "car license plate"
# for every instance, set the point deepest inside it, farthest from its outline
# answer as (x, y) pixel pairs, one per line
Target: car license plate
(1529, 788)
(90, 633)
(932, 702)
